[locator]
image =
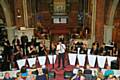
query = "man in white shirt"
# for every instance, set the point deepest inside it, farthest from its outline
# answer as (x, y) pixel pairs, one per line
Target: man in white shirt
(61, 52)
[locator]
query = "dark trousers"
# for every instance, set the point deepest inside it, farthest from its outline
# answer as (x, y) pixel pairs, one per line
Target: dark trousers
(61, 56)
(25, 51)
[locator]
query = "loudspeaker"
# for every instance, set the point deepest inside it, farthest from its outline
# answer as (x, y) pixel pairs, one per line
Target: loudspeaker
(68, 74)
(51, 74)
(114, 64)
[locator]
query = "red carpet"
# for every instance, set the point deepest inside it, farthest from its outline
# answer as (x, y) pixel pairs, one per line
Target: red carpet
(59, 72)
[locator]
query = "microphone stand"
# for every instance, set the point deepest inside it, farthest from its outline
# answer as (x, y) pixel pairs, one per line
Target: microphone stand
(53, 60)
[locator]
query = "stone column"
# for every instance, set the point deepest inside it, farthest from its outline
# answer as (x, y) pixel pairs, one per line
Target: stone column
(93, 20)
(11, 33)
(112, 12)
(108, 33)
(7, 12)
(25, 13)
(99, 29)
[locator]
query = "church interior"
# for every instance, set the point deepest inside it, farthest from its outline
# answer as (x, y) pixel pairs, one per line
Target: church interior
(31, 32)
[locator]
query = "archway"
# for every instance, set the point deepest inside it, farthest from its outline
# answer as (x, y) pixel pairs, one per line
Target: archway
(6, 9)
(108, 28)
(8, 18)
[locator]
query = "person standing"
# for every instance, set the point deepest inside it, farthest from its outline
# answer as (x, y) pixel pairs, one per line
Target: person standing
(61, 53)
(16, 41)
(33, 40)
(42, 49)
(52, 52)
(24, 41)
(7, 52)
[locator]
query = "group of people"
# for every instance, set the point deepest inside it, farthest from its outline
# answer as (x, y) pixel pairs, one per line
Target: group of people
(22, 48)
(32, 73)
(97, 74)
(102, 50)
(42, 73)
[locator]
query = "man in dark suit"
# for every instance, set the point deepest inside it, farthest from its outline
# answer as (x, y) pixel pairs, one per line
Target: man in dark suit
(6, 54)
(24, 41)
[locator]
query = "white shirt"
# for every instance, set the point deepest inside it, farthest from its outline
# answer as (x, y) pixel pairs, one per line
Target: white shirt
(61, 48)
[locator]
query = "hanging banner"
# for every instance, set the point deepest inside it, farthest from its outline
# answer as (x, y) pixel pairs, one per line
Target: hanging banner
(88, 52)
(109, 59)
(42, 60)
(81, 59)
(52, 59)
(92, 60)
(72, 58)
(78, 50)
(101, 61)
(21, 63)
(31, 61)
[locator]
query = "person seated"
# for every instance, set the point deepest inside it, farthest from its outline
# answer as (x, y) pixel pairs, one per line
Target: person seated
(30, 75)
(99, 74)
(114, 78)
(7, 76)
(41, 75)
(78, 76)
(34, 69)
(45, 70)
(19, 77)
(108, 72)
(24, 72)
(88, 73)
(109, 77)
(76, 69)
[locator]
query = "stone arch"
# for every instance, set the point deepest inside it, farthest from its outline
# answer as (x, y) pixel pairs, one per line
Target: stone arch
(6, 9)
(8, 18)
(112, 12)
(108, 28)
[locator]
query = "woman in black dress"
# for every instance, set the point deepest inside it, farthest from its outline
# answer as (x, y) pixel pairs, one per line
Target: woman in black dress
(42, 50)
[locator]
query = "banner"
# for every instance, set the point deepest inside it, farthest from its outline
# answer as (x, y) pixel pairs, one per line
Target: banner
(42, 60)
(52, 58)
(88, 52)
(101, 61)
(72, 58)
(21, 63)
(92, 60)
(81, 59)
(31, 61)
(109, 59)
(78, 50)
